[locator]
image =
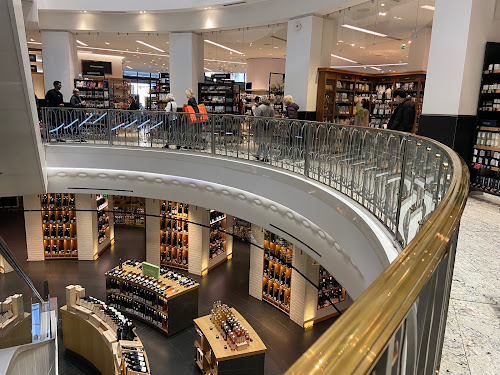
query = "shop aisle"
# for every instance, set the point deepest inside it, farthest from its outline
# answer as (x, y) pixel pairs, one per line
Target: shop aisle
(472, 338)
(285, 340)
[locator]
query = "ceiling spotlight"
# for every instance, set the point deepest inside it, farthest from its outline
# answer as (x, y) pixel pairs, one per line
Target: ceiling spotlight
(382, 13)
(382, 5)
(129, 67)
(398, 18)
(32, 40)
(409, 42)
(81, 43)
(107, 43)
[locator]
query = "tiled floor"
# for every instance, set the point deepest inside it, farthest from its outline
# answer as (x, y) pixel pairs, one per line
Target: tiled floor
(472, 338)
(285, 340)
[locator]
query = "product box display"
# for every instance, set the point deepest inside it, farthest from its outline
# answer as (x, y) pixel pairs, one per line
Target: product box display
(169, 303)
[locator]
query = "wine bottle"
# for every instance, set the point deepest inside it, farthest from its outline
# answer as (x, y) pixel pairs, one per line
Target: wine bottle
(53, 232)
(265, 290)
(45, 201)
(46, 232)
(52, 217)
(163, 206)
(65, 201)
(52, 201)
(54, 249)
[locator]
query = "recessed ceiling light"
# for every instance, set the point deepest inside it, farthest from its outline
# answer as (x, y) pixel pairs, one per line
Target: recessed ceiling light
(81, 43)
(221, 46)
(382, 5)
(409, 42)
(353, 45)
(398, 18)
(129, 67)
(345, 59)
(223, 61)
(364, 30)
(149, 45)
(374, 67)
(84, 11)
(428, 7)
(276, 47)
(382, 13)
(34, 43)
(107, 43)
(32, 40)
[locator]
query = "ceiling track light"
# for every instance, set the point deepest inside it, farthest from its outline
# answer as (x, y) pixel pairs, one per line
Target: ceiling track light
(149, 45)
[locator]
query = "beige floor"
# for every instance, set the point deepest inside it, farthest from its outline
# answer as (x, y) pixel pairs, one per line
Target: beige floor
(472, 339)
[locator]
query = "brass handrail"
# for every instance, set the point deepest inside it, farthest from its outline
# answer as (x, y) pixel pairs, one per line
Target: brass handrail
(358, 338)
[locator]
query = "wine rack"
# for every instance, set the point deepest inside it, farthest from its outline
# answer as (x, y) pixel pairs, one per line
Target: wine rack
(102, 218)
(217, 233)
(329, 288)
(59, 226)
(169, 303)
(132, 210)
(174, 236)
(277, 275)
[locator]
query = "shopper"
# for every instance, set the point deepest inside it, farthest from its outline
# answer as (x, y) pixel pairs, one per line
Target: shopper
(403, 117)
(173, 131)
(76, 101)
(292, 109)
(54, 97)
(264, 109)
(133, 106)
(192, 100)
(264, 129)
(362, 116)
(257, 103)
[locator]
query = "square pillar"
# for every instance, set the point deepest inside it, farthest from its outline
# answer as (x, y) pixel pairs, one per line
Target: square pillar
(153, 231)
(33, 228)
(199, 240)
(86, 226)
(186, 64)
(256, 263)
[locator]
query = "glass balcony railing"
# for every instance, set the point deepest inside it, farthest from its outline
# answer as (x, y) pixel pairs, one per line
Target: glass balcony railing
(414, 186)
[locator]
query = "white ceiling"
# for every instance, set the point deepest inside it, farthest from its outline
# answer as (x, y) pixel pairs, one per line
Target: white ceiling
(402, 18)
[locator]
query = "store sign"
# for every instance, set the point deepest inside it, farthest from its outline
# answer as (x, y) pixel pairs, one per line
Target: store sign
(150, 270)
(221, 76)
(403, 46)
(95, 68)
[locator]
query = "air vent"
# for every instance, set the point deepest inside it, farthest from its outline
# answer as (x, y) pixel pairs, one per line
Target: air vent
(235, 3)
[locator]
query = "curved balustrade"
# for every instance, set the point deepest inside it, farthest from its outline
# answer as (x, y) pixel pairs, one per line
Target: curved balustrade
(416, 187)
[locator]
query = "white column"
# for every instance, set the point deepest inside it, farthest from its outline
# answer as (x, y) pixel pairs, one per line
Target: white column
(459, 33)
(153, 231)
(33, 227)
(309, 44)
(256, 263)
(229, 238)
(298, 287)
(186, 64)
(199, 240)
(60, 61)
(86, 226)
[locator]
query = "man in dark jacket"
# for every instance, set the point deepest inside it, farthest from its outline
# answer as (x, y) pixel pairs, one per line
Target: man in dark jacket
(54, 97)
(403, 116)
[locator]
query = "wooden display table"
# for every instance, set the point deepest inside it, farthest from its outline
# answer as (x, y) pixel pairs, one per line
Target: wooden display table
(171, 311)
(15, 324)
(213, 358)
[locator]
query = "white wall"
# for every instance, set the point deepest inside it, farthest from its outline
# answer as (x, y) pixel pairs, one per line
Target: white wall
(116, 63)
(258, 71)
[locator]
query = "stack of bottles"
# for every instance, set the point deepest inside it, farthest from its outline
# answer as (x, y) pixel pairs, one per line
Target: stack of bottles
(229, 326)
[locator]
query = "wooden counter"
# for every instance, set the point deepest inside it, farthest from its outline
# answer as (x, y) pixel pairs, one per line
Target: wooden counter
(218, 360)
(89, 336)
(16, 331)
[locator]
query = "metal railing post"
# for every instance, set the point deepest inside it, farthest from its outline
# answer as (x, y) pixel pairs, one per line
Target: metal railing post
(212, 133)
(307, 147)
(397, 237)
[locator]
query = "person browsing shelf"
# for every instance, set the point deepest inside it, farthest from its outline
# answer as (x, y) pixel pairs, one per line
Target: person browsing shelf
(292, 109)
(76, 101)
(171, 104)
(257, 103)
(403, 117)
(133, 106)
(192, 100)
(362, 117)
(54, 97)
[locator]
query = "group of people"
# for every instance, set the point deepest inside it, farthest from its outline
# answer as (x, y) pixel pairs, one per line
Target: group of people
(402, 119)
(262, 107)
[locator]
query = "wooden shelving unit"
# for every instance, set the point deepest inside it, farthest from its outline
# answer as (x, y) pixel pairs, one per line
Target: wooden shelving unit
(59, 226)
(217, 234)
(119, 92)
(169, 303)
(174, 236)
(217, 97)
(95, 93)
(337, 89)
(329, 287)
(485, 163)
(213, 354)
(102, 220)
(133, 209)
(277, 273)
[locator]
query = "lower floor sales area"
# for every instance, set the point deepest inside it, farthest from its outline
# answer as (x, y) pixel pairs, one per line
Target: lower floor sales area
(228, 282)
